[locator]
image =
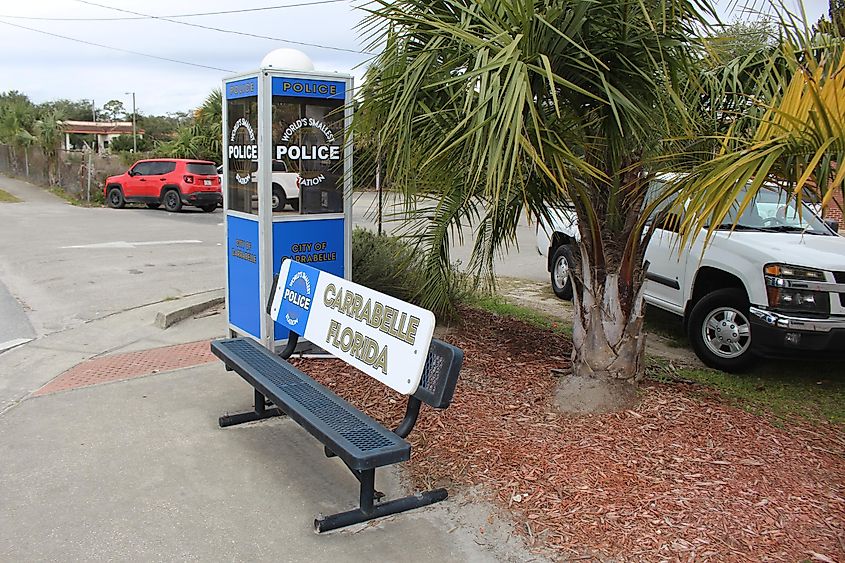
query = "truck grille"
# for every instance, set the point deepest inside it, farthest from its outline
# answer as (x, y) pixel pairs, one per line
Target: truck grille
(840, 278)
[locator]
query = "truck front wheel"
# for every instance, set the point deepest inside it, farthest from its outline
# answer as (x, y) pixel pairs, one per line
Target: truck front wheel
(279, 198)
(561, 269)
(720, 332)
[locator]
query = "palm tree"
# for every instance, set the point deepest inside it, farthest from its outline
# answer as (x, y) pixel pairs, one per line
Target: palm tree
(204, 137)
(16, 119)
(48, 135)
(797, 141)
(493, 108)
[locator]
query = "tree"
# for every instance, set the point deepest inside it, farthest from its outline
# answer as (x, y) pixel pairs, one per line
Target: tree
(125, 143)
(48, 135)
(17, 114)
(798, 142)
(73, 110)
(204, 137)
(114, 110)
(836, 11)
(494, 108)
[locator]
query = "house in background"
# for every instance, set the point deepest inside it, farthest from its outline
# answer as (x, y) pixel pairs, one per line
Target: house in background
(104, 132)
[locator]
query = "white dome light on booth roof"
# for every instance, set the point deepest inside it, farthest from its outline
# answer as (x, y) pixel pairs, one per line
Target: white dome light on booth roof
(287, 59)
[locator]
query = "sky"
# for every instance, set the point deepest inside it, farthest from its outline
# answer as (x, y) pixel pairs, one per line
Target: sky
(47, 67)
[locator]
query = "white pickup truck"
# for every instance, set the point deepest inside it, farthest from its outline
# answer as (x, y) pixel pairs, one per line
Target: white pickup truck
(774, 285)
(285, 187)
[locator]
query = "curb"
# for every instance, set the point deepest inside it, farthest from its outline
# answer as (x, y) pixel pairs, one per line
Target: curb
(188, 307)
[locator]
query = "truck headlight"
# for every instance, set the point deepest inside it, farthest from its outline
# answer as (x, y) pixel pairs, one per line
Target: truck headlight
(785, 298)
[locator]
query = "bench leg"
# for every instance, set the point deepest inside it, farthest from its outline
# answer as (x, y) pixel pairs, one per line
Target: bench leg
(368, 511)
(261, 412)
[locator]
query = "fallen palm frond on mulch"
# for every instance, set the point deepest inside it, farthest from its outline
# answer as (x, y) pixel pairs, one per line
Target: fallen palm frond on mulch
(678, 477)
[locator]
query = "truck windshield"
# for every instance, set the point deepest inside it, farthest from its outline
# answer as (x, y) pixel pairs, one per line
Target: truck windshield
(775, 210)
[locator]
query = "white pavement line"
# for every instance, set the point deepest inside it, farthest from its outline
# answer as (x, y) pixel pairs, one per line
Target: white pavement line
(124, 244)
(9, 344)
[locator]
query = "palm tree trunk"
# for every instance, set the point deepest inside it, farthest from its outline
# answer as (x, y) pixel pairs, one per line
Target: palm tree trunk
(608, 345)
(608, 342)
(607, 337)
(26, 160)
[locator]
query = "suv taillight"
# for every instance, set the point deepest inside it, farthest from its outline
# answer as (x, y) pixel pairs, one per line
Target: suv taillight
(188, 179)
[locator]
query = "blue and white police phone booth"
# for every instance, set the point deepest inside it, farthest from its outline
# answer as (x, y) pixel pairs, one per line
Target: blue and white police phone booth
(287, 182)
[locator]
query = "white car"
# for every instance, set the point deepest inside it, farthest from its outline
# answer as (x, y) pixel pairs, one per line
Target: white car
(773, 286)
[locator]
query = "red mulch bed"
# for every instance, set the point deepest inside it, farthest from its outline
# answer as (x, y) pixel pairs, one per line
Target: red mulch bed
(679, 477)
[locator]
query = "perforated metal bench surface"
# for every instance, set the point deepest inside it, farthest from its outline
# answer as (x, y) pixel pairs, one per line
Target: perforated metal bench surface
(353, 436)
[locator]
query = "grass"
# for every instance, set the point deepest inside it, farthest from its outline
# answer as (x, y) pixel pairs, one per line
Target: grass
(785, 391)
(73, 200)
(6, 197)
(500, 306)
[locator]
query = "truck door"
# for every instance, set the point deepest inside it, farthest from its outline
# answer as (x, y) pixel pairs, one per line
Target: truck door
(665, 261)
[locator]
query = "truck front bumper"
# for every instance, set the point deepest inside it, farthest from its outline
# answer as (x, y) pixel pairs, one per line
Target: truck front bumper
(776, 334)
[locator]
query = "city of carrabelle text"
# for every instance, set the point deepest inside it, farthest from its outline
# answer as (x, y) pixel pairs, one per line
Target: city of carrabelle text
(308, 252)
(386, 319)
(242, 250)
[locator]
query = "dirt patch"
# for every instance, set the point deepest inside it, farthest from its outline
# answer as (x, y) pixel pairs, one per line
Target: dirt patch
(681, 476)
(539, 297)
(583, 395)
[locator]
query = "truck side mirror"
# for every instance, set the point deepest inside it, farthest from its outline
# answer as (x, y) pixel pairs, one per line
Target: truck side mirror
(833, 224)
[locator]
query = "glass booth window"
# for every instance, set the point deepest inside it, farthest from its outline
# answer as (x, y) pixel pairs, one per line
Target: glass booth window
(242, 146)
(308, 153)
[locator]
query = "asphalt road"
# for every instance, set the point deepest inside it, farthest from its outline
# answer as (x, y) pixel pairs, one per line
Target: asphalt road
(67, 265)
(61, 265)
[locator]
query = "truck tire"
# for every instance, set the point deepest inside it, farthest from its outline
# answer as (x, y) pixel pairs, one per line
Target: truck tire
(720, 330)
(562, 261)
(294, 203)
(279, 198)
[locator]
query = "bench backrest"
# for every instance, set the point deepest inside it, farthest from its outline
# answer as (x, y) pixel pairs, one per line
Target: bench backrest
(440, 374)
(380, 335)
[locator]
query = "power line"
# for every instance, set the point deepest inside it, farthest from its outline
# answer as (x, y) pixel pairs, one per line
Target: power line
(113, 48)
(193, 15)
(162, 18)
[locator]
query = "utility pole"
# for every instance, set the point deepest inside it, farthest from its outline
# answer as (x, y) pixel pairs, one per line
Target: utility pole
(134, 129)
(93, 110)
(378, 184)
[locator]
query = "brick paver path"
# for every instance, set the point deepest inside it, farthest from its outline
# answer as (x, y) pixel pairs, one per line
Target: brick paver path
(118, 367)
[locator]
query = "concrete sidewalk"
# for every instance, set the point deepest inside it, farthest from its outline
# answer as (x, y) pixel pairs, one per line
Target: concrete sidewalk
(138, 470)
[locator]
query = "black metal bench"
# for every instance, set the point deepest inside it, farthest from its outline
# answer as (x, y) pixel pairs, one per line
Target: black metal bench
(361, 442)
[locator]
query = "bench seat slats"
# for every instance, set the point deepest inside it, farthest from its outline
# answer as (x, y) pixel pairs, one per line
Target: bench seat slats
(356, 438)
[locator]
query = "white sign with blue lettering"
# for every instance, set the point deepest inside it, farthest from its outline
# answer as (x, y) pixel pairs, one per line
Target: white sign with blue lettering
(382, 336)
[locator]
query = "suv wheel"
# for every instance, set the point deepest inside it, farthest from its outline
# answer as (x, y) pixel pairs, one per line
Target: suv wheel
(561, 268)
(172, 201)
(720, 330)
(279, 199)
(115, 198)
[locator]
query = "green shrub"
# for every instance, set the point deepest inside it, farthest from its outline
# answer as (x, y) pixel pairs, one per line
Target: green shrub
(391, 265)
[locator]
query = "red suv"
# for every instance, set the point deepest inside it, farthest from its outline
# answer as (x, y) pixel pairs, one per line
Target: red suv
(172, 182)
